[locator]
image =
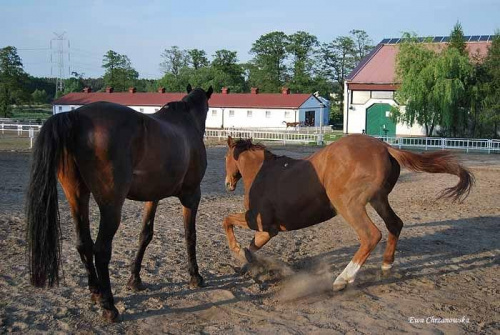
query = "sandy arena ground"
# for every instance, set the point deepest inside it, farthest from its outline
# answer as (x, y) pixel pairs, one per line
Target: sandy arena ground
(447, 266)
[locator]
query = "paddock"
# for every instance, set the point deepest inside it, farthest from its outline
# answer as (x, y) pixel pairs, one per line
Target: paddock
(445, 277)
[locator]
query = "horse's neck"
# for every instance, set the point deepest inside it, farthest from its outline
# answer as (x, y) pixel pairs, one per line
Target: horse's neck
(250, 164)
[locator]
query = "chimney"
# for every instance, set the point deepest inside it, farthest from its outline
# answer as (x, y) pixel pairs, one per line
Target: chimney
(285, 90)
(132, 90)
(87, 90)
(161, 90)
(254, 90)
(225, 90)
(109, 89)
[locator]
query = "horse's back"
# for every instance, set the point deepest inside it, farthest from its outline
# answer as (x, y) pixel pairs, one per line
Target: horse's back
(357, 162)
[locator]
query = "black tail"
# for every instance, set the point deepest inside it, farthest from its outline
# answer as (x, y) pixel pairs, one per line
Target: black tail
(42, 210)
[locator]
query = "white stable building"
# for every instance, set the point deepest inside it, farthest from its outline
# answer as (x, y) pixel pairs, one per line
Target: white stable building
(369, 88)
(227, 110)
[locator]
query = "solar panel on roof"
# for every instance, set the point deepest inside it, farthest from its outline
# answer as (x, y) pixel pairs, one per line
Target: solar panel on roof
(446, 39)
(484, 37)
(474, 38)
(385, 40)
(437, 39)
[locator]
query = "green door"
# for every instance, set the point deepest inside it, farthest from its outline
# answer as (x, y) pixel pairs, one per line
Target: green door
(378, 121)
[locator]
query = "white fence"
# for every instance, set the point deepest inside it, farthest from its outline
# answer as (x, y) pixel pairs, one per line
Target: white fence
(435, 143)
(285, 137)
(14, 130)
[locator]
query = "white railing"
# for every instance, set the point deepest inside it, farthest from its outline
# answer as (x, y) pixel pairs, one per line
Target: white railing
(285, 137)
(20, 130)
(436, 143)
(298, 129)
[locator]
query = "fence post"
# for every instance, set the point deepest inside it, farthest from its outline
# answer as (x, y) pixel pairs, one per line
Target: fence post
(490, 145)
(2, 128)
(443, 141)
(426, 145)
(32, 135)
(19, 130)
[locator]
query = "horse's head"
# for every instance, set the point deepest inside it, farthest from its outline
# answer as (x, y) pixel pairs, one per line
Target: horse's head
(197, 100)
(232, 171)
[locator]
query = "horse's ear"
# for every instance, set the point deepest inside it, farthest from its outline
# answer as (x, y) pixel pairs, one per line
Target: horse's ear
(189, 88)
(209, 92)
(230, 142)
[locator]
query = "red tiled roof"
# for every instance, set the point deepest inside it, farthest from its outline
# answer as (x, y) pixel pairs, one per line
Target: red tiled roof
(235, 100)
(380, 66)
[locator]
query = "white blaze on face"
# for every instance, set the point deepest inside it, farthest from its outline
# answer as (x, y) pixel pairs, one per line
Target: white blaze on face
(349, 273)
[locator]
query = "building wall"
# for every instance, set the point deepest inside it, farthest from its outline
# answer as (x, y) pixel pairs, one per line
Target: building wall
(67, 108)
(250, 117)
(355, 115)
(312, 104)
(240, 118)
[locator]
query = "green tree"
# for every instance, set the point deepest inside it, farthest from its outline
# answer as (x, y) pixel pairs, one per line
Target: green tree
(119, 71)
(490, 88)
(227, 72)
(457, 39)
(362, 44)
(432, 86)
(269, 70)
(174, 59)
(197, 58)
(301, 47)
(40, 97)
(336, 60)
(13, 80)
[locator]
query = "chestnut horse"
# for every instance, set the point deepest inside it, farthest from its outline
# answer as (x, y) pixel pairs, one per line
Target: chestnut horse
(113, 152)
(283, 194)
(291, 124)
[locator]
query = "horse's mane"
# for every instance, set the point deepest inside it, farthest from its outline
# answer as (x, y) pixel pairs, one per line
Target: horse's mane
(242, 145)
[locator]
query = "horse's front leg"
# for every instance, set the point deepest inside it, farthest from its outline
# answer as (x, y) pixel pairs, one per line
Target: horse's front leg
(190, 208)
(135, 282)
(229, 223)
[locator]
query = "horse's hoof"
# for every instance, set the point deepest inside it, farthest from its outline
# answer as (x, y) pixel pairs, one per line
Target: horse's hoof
(249, 255)
(245, 269)
(135, 284)
(196, 282)
(111, 315)
(339, 284)
(386, 267)
(339, 287)
(95, 297)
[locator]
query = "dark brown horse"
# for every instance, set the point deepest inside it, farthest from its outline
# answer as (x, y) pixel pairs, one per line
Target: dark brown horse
(283, 194)
(114, 153)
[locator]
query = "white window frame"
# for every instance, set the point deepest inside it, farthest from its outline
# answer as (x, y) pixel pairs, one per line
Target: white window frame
(288, 114)
(268, 114)
(249, 113)
(231, 113)
(214, 112)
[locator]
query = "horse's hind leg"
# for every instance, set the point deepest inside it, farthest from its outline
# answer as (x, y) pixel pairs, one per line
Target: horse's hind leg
(135, 282)
(78, 196)
(190, 204)
(369, 236)
(110, 220)
(393, 224)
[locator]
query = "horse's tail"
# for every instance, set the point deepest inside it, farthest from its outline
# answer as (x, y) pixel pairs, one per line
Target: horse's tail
(42, 210)
(438, 162)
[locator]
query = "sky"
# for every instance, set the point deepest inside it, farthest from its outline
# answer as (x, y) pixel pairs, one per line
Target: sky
(142, 30)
